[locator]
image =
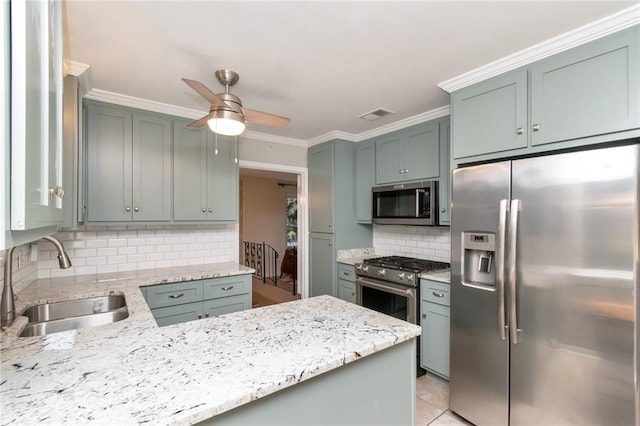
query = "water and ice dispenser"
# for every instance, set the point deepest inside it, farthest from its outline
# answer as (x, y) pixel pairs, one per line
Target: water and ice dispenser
(478, 259)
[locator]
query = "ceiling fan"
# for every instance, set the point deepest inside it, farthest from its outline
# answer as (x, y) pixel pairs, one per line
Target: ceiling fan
(226, 115)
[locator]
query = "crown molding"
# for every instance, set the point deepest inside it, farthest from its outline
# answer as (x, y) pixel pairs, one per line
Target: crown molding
(82, 72)
(382, 130)
(624, 19)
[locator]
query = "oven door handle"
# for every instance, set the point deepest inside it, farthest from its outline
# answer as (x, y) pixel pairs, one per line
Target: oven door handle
(385, 287)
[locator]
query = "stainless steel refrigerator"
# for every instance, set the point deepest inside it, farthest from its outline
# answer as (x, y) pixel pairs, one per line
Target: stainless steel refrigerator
(544, 290)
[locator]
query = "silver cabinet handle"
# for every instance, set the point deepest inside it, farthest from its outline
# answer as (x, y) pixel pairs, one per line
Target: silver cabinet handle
(227, 288)
(424, 316)
(204, 210)
(443, 210)
(536, 127)
(406, 171)
(136, 209)
(210, 210)
(127, 209)
(206, 315)
(513, 303)
(519, 131)
(436, 294)
(502, 241)
(176, 296)
(199, 316)
(401, 171)
(345, 273)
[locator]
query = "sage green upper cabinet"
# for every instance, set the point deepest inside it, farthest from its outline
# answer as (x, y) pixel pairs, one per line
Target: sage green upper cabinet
(586, 95)
(408, 154)
(590, 90)
(129, 165)
(206, 175)
(444, 189)
(491, 116)
(321, 174)
(36, 114)
(365, 178)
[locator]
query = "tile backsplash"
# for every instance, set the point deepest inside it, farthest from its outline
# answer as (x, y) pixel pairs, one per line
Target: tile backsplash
(422, 242)
(99, 249)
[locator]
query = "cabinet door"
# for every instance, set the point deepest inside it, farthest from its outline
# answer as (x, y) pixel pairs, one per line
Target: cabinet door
(590, 90)
(347, 290)
(222, 183)
(365, 178)
(445, 173)
(226, 305)
(321, 265)
(36, 114)
(321, 173)
(109, 164)
(152, 168)
(227, 286)
(178, 313)
(190, 172)
(434, 342)
(389, 158)
(490, 116)
(422, 152)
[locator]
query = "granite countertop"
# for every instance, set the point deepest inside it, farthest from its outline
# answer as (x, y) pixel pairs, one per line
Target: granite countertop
(132, 371)
(353, 256)
(441, 275)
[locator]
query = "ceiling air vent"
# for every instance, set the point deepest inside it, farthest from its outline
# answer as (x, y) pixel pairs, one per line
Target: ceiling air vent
(375, 114)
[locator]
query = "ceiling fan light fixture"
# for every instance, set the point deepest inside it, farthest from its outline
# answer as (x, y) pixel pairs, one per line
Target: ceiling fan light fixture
(225, 122)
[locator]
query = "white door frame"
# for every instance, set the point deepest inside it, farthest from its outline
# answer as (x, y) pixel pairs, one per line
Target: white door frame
(303, 210)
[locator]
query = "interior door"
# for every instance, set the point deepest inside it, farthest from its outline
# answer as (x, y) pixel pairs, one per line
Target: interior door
(479, 360)
(574, 361)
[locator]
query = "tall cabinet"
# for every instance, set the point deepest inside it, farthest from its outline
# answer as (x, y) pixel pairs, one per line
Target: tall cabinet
(332, 220)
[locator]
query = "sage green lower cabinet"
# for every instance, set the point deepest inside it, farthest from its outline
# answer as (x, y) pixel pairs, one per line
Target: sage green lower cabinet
(435, 323)
(177, 314)
(190, 300)
(346, 282)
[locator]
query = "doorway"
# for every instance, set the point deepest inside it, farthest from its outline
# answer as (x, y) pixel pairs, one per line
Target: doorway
(272, 220)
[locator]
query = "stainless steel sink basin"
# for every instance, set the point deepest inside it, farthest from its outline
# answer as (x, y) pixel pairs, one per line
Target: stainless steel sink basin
(73, 314)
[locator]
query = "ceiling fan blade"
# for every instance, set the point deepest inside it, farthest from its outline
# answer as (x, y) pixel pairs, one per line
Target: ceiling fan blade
(259, 117)
(200, 122)
(204, 91)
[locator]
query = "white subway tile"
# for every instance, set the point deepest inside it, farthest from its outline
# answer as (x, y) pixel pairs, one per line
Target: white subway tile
(97, 260)
(127, 250)
(107, 251)
(116, 242)
(96, 243)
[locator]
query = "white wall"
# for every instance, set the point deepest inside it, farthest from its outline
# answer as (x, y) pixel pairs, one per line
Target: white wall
(270, 152)
(422, 242)
(264, 213)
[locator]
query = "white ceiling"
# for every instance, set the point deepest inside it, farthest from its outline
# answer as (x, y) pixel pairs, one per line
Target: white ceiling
(320, 63)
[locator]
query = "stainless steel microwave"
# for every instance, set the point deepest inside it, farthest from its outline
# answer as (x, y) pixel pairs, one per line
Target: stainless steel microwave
(406, 204)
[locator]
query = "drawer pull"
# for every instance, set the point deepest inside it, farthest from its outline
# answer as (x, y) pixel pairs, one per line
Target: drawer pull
(345, 273)
(199, 316)
(227, 288)
(437, 294)
(176, 296)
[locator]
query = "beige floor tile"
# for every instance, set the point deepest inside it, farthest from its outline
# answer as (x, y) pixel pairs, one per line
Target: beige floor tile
(425, 412)
(434, 390)
(449, 419)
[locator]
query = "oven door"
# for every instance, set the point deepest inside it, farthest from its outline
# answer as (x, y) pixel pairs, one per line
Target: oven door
(392, 299)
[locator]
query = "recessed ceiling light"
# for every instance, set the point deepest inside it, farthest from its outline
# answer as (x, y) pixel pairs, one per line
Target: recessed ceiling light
(375, 114)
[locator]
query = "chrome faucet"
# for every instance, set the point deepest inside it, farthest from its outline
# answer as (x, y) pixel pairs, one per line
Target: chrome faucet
(8, 307)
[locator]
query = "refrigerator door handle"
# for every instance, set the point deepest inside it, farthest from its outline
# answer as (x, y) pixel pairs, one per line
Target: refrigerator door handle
(502, 242)
(513, 303)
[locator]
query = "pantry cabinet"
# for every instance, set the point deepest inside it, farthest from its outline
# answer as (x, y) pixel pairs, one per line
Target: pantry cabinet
(129, 165)
(588, 94)
(36, 113)
(408, 154)
(205, 175)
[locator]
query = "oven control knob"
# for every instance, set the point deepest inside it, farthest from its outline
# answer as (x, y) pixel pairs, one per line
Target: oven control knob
(401, 276)
(359, 267)
(382, 272)
(410, 277)
(365, 269)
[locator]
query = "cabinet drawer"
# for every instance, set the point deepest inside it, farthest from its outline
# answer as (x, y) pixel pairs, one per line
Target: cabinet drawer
(435, 292)
(347, 290)
(226, 305)
(176, 314)
(162, 295)
(227, 286)
(346, 272)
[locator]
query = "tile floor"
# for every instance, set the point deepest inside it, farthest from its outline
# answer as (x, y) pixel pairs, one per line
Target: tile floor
(432, 403)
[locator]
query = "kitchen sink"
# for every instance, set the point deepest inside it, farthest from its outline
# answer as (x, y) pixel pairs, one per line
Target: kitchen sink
(73, 314)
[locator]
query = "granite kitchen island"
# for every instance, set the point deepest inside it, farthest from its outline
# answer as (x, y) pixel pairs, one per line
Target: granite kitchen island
(313, 361)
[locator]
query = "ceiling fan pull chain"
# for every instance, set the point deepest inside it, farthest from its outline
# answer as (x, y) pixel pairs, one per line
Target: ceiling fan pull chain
(236, 159)
(215, 152)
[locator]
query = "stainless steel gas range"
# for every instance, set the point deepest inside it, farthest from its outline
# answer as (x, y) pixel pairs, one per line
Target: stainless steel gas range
(391, 285)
